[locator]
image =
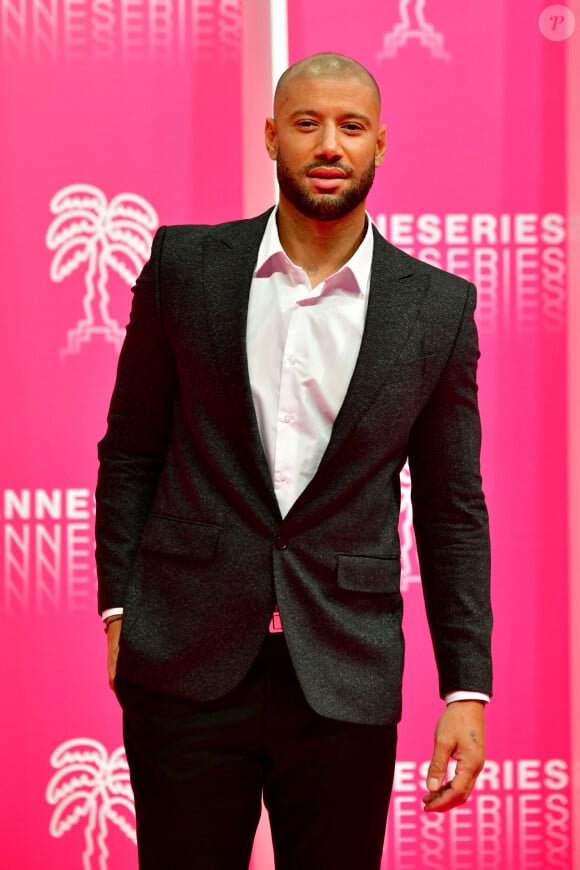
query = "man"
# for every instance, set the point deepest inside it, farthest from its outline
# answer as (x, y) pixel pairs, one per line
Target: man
(276, 375)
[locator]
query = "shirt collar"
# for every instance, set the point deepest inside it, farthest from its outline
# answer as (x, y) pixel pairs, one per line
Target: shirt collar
(272, 258)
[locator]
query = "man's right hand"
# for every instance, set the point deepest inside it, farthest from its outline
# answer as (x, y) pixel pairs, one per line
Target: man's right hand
(113, 635)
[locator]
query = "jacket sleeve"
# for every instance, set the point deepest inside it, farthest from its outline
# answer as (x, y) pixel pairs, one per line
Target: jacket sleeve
(450, 518)
(132, 452)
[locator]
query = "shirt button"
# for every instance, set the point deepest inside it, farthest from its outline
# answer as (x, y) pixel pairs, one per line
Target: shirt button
(292, 360)
(280, 542)
(281, 477)
(287, 419)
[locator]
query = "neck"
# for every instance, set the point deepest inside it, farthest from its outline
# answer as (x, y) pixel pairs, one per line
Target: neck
(326, 245)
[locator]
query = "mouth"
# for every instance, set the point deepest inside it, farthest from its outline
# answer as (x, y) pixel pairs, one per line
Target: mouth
(327, 177)
(331, 172)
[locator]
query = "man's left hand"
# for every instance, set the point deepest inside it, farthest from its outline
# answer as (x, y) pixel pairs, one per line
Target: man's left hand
(460, 734)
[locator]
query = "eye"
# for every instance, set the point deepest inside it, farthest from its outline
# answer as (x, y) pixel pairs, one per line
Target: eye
(306, 123)
(353, 127)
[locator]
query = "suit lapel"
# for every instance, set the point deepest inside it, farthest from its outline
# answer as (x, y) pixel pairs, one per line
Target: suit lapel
(229, 259)
(396, 295)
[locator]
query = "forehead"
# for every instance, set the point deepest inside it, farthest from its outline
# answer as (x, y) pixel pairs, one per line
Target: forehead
(336, 94)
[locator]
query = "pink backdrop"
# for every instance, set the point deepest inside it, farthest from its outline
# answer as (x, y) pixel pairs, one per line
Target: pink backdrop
(121, 114)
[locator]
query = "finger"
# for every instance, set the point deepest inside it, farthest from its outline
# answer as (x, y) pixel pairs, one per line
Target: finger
(443, 801)
(453, 793)
(438, 766)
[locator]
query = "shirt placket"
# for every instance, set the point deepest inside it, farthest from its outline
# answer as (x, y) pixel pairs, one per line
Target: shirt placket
(293, 424)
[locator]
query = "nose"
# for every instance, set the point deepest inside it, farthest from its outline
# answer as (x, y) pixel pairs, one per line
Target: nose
(329, 144)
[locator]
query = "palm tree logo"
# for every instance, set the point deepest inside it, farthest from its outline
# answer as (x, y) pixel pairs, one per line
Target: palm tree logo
(93, 785)
(413, 25)
(107, 236)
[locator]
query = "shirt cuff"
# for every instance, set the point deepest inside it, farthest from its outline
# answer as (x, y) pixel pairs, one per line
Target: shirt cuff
(466, 696)
(112, 611)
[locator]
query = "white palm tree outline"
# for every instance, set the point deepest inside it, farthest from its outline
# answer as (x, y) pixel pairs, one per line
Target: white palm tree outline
(89, 783)
(420, 29)
(105, 235)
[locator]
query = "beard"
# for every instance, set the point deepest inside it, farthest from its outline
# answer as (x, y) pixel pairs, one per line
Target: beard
(323, 206)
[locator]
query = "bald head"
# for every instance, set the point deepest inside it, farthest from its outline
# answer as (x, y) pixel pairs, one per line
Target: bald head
(326, 65)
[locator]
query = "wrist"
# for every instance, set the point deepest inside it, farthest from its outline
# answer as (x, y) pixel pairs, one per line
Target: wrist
(109, 620)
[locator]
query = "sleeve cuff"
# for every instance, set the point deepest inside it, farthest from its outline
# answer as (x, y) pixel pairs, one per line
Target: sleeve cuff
(466, 696)
(112, 611)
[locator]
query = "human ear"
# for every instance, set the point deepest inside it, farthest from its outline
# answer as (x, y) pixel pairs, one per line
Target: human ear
(271, 138)
(381, 145)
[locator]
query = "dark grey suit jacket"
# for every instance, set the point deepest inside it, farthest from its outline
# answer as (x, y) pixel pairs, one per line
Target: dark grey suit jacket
(190, 540)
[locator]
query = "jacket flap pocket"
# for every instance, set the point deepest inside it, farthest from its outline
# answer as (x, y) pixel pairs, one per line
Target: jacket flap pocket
(180, 538)
(369, 573)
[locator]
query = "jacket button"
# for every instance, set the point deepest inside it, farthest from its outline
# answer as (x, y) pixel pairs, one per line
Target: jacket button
(280, 542)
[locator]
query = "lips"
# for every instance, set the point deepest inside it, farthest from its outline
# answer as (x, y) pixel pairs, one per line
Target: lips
(330, 172)
(326, 179)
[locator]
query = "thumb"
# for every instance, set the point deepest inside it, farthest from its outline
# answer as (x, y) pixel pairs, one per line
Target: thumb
(438, 768)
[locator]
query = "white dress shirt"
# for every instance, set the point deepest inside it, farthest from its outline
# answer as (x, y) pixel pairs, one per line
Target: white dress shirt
(302, 347)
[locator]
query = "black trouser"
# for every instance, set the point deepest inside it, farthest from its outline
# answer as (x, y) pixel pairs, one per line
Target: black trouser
(199, 769)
